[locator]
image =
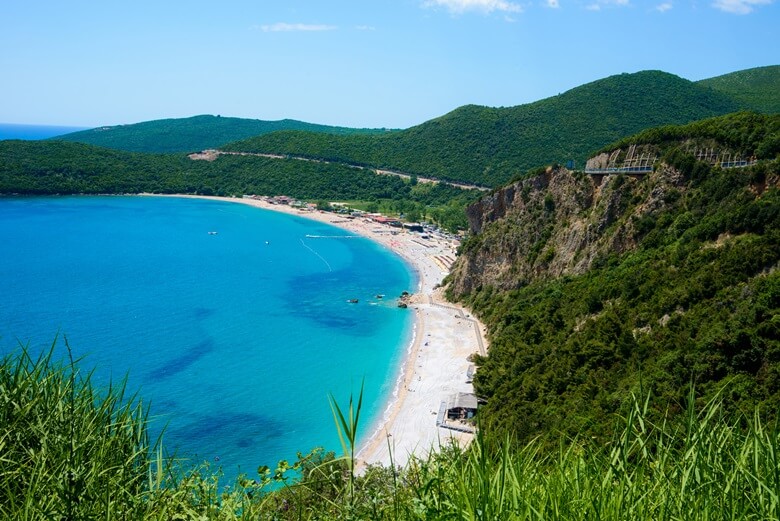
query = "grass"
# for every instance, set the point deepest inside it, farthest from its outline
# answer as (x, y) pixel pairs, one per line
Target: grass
(70, 452)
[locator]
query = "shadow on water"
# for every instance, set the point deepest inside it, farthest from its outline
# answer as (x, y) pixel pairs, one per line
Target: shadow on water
(231, 430)
(201, 313)
(180, 363)
(324, 300)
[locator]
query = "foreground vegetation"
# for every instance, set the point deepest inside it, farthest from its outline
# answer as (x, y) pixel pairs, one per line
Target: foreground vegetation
(70, 451)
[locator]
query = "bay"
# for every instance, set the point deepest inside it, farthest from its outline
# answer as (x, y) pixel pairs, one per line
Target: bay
(236, 337)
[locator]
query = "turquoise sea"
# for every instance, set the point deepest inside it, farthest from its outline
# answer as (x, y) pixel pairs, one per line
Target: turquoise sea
(235, 337)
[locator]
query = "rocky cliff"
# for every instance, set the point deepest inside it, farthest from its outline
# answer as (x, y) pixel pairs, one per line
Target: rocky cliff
(593, 288)
(556, 223)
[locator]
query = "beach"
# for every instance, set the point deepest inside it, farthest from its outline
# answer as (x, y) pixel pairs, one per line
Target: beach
(436, 363)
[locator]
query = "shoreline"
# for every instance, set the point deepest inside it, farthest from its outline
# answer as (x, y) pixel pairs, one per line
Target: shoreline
(435, 363)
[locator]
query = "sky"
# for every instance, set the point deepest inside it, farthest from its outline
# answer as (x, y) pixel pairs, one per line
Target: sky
(355, 63)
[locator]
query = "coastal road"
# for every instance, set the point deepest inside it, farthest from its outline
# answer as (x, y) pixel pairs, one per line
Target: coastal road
(211, 155)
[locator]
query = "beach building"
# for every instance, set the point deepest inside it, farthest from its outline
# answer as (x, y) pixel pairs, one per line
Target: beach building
(381, 219)
(462, 406)
(470, 371)
(280, 199)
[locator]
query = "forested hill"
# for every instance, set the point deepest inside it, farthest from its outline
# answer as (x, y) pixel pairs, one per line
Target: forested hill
(192, 134)
(490, 146)
(755, 89)
(59, 167)
(595, 288)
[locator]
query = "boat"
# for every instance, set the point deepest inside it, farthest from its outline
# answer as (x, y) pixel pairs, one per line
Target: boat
(380, 296)
(353, 301)
(213, 233)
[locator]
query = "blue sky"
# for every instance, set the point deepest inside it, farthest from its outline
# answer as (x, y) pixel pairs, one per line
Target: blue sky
(368, 63)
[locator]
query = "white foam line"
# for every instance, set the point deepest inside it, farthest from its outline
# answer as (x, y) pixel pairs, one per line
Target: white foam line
(317, 254)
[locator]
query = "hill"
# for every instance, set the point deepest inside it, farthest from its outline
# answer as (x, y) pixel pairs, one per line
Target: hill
(60, 167)
(490, 146)
(595, 288)
(755, 89)
(192, 134)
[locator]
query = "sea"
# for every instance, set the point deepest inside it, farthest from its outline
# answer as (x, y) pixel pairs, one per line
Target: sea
(233, 323)
(34, 132)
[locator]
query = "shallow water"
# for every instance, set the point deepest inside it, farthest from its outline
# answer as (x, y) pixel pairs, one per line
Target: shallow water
(236, 338)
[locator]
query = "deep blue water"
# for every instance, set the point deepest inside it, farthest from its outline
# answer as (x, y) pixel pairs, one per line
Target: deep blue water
(34, 132)
(236, 338)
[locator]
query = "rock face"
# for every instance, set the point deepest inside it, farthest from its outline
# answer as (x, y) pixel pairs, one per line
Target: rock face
(556, 223)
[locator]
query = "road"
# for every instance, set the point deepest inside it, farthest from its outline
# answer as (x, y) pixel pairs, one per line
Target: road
(211, 155)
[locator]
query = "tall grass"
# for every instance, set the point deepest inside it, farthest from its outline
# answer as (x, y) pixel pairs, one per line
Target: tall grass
(347, 428)
(711, 467)
(707, 466)
(70, 452)
(66, 453)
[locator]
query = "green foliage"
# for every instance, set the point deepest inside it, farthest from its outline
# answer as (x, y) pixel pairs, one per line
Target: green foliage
(754, 89)
(347, 427)
(71, 453)
(746, 133)
(192, 134)
(489, 146)
(68, 451)
(710, 467)
(57, 167)
(697, 300)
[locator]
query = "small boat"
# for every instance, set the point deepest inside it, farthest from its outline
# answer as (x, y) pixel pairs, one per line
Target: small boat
(213, 233)
(353, 301)
(380, 296)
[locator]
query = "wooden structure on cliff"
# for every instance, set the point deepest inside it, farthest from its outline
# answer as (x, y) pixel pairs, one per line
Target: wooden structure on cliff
(721, 158)
(637, 163)
(632, 163)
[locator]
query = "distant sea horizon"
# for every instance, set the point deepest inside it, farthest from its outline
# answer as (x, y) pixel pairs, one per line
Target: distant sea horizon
(35, 132)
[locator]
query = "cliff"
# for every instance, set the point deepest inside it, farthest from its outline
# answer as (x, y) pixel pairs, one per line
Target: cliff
(596, 287)
(557, 223)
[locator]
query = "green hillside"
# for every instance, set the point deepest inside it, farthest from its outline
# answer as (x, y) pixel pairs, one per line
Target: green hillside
(474, 144)
(59, 167)
(489, 146)
(192, 134)
(756, 89)
(591, 292)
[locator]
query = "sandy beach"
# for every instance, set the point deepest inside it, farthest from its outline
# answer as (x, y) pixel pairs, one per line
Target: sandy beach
(436, 363)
